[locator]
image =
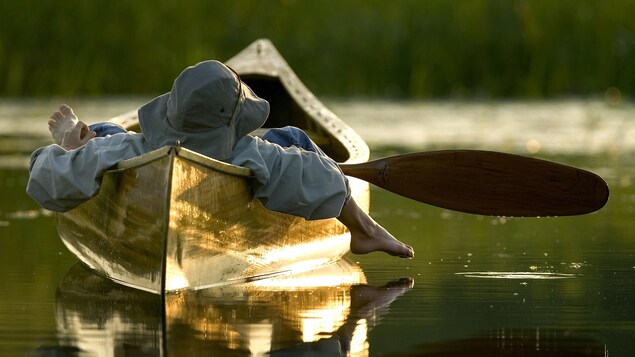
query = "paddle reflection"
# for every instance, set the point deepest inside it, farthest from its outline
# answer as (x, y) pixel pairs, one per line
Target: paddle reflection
(328, 311)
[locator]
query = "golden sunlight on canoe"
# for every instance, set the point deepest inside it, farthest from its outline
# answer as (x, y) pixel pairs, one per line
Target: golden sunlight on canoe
(173, 219)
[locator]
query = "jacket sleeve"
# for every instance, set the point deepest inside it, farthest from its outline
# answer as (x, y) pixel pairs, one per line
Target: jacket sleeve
(293, 181)
(60, 180)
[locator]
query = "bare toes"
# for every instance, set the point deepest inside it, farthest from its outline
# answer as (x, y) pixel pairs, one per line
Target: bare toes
(56, 116)
(65, 109)
(406, 252)
(61, 122)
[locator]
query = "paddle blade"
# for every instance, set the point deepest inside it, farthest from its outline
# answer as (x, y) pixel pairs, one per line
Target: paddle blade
(487, 183)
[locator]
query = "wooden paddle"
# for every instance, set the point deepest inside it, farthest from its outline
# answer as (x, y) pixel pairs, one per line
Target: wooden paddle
(487, 183)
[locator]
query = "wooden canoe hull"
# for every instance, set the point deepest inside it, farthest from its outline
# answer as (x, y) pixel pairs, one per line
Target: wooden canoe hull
(173, 219)
(178, 220)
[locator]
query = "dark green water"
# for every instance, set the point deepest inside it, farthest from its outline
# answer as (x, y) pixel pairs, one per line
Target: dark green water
(481, 286)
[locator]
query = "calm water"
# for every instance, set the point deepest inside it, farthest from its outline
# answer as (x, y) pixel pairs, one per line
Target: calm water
(479, 286)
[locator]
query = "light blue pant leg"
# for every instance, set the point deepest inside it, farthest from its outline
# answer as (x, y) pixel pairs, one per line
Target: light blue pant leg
(291, 136)
(105, 128)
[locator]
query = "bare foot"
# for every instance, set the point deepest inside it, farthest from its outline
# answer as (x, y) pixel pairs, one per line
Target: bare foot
(61, 122)
(367, 236)
(379, 239)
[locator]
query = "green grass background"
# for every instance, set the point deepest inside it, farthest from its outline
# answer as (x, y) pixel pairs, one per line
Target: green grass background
(393, 49)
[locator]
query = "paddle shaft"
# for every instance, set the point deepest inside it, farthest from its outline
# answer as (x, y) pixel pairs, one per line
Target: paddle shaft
(486, 183)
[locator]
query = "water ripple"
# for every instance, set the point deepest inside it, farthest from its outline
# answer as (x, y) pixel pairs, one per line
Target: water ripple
(516, 275)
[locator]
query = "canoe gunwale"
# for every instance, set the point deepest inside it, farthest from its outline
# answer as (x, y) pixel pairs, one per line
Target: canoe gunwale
(262, 59)
(185, 154)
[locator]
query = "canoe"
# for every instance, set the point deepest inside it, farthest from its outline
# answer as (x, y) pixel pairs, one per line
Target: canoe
(173, 219)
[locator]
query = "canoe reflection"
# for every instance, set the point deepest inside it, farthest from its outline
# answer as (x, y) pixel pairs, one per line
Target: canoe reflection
(325, 312)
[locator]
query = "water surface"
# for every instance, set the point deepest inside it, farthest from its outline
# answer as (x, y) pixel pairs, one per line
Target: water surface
(478, 285)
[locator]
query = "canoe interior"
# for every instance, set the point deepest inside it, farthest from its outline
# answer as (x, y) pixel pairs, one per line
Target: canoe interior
(286, 111)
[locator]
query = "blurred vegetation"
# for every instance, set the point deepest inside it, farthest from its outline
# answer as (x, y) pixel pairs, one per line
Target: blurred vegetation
(401, 48)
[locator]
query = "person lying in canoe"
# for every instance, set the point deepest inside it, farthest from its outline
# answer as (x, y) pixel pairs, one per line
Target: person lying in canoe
(211, 111)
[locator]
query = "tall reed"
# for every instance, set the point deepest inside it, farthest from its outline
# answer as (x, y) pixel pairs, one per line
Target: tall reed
(402, 48)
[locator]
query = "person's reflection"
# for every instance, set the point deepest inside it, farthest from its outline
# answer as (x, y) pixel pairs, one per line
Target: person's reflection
(322, 312)
(367, 306)
(326, 312)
